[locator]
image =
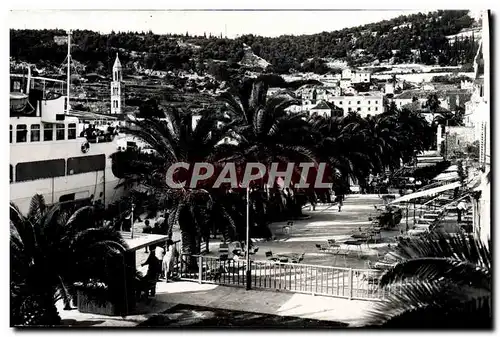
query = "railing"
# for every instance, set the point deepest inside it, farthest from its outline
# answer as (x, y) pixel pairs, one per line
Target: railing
(294, 277)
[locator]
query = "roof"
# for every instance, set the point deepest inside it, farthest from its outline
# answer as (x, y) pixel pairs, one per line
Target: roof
(409, 94)
(324, 105)
(117, 63)
(91, 115)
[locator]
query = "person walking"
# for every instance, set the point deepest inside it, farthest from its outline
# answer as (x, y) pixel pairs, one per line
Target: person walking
(147, 230)
(340, 202)
(461, 207)
(169, 259)
(153, 273)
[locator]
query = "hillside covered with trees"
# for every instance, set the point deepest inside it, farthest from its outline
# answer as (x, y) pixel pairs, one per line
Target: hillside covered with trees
(415, 38)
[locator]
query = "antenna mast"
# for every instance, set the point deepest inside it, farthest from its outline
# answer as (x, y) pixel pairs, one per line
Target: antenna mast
(68, 83)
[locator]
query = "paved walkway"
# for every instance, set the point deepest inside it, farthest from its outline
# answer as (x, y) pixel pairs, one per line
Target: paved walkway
(325, 223)
(346, 311)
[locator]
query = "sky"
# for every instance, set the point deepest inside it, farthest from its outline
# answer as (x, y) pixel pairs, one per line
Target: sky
(264, 23)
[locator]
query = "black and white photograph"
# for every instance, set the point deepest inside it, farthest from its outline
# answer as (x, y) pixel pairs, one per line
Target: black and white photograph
(250, 169)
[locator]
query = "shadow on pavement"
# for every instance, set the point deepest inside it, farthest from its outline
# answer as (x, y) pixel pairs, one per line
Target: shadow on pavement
(203, 317)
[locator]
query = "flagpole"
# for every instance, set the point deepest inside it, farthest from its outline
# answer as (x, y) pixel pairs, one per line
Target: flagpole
(68, 73)
(248, 272)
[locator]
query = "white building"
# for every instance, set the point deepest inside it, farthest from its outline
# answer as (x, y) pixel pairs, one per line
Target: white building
(356, 76)
(116, 88)
(367, 103)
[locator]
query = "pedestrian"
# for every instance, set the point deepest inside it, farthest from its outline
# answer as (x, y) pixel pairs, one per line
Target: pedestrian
(169, 259)
(147, 230)
(153, 273)
(461, 207)
(340, 201)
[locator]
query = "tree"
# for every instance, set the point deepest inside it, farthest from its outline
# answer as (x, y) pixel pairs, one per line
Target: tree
(172, 140)
(50, 251)
(439, 281)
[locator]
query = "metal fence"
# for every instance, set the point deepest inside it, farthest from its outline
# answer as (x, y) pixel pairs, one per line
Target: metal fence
(294, 277)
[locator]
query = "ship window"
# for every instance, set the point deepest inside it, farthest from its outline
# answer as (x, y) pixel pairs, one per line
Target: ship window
(86, 164)
(67, 197)
(60, 132)
(40, 169)
(48, 132)
(21, 132)
(10, 134)
(35, 133)
(72, 131)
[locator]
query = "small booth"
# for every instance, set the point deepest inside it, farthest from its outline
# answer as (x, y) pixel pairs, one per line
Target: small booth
(127, 303)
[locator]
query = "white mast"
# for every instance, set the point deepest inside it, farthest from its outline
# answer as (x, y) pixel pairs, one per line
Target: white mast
(68, 83)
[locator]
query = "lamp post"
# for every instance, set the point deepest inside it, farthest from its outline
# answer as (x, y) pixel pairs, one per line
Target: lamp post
(247, 247)
(132, 222)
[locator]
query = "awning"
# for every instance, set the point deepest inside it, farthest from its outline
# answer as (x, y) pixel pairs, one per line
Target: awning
(426, 193)
(445, 176)
(452, 168)
(141, 240)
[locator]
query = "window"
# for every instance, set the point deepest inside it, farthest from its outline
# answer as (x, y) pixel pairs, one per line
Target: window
(376, 102)
(86, 164)
(11, 172)
(368, 102)
(369, 109)
(72, 131)
(349, 109)
(10, 134)
(376, 109)
(40, 169)
(359, 109)
(340, 102)
(21, 132)
(60, 132)
(48, 132)
(359, 102)
(349, 102)
(35, 133)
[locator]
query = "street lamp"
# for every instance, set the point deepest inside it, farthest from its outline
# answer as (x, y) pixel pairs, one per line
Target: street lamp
(248, 272)
(132, 222)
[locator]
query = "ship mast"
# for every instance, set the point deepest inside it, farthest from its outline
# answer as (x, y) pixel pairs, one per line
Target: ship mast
(68, 83)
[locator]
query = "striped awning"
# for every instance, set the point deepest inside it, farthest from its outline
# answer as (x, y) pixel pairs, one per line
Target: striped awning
(426, 193)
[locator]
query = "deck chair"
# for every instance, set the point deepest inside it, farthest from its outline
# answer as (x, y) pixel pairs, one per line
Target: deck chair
(298, 259)
(254, 251)
(270, 257)
(320, 247)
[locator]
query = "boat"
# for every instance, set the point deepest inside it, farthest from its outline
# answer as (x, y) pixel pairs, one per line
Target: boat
(54, 151)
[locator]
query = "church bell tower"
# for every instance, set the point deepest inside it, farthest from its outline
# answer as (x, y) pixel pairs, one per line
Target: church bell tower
(116, 89)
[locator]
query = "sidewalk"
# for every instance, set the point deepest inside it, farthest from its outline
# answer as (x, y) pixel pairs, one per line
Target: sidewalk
(268, 302)
(168, 295)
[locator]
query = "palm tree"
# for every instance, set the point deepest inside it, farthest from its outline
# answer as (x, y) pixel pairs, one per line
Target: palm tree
(439, 281)
(263, 129)
(50, 252)
(173, 140)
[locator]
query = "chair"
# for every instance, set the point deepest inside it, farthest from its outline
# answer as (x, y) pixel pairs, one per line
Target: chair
(320, 247)
(298, 259)
(269, 256)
